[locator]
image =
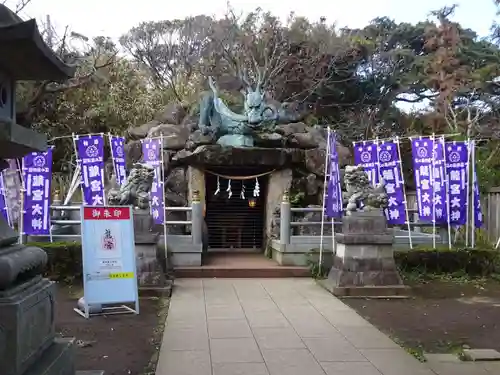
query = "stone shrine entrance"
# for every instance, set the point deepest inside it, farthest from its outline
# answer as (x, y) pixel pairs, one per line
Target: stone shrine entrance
(235, 208)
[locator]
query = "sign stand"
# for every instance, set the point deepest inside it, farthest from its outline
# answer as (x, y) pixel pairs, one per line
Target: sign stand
(109, 264)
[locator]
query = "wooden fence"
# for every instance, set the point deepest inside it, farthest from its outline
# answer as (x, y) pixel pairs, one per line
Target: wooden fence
(490, 204)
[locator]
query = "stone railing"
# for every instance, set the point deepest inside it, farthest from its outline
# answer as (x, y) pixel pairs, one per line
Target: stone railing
(301, 236)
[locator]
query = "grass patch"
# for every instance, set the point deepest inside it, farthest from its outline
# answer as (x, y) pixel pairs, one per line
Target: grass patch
(164, 304)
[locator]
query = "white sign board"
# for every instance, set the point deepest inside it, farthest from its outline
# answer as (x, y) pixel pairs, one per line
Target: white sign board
(108, 255)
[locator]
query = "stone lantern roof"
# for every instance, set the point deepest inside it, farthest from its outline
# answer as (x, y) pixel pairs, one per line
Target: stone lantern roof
(24, 56)
(23, 53)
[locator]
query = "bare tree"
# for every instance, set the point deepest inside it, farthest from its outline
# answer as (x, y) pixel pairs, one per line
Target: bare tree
(89, 62)
(171, 50)
(20, 5)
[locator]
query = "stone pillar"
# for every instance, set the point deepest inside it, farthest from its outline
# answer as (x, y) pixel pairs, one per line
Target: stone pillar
(364, 264)
(285, 219)
(279, 182)
(151, 264)
(196, 219)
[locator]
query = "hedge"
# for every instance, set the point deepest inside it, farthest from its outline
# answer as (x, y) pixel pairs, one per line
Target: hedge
(65, 260)
(474, 262)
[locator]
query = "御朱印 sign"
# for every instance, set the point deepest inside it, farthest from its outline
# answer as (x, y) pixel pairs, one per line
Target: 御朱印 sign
(109, 265)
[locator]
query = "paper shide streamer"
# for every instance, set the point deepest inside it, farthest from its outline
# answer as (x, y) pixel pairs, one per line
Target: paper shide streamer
(228, 190)
(256, 190)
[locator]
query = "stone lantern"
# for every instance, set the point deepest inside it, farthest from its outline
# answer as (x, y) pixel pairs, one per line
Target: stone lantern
(28, 344)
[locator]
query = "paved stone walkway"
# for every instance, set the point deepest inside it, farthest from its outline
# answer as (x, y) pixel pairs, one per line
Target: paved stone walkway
(280, 327)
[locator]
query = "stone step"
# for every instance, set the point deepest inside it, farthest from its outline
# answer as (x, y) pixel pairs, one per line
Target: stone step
(58, 359)
(481, 355)
(241, 272)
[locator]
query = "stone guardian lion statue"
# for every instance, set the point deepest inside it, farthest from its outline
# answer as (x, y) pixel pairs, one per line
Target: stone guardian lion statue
(135, 190)
(360, 195)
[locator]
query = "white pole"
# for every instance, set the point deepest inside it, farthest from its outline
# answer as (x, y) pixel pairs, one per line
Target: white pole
(339, 191)
(110, 140)
(102, 173)
(324, 196)
(3, 192)
(410, 240)
(339, 185)
(73, 186)
(50, 202)
(433, 193)
(473, 206)
(447, 187)
(162, 181)
(467, 199)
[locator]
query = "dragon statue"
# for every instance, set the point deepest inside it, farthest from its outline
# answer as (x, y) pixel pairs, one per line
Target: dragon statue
(238, 130)
(135, 190)
(360, 194)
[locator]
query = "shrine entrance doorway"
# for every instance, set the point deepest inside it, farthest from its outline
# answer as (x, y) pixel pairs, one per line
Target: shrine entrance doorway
(235, 208)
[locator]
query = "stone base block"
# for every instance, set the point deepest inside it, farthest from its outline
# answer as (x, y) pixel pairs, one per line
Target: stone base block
(396, 291)
(26, 324)
(154, 291)
(301, 259)
(364, 271)
(186, 259)
(58, 359)
(151, 267)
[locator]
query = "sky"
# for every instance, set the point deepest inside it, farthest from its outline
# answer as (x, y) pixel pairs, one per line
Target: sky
(113, 18)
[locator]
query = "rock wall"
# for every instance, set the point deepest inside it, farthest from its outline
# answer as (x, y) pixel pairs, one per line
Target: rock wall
(295, 147)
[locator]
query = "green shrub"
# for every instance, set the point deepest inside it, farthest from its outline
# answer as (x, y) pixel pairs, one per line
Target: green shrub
(65, 260)
(474, 262)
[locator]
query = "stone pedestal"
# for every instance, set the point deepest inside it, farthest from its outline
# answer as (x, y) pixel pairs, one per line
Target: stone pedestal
(364, 264)
(151, 265)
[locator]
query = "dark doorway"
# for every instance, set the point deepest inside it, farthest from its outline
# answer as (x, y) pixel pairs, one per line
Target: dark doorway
(237, 221)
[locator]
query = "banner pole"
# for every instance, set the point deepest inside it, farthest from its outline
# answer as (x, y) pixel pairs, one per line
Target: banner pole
(447, 187)
(339, 185)
(102, 174)
(73, 186)
(467, 199)
(408, 225)
(162, 174)
(50, 196)
(110, 140)
(474, 183)
(2, 188)
(433, 164)
(327, 153)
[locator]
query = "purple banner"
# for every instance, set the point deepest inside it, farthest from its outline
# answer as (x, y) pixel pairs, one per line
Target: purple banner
(428, 164)
(439, 182)
(365, 154)
(333, 198)
(151, 151)
(456, 169)
(37, 175)
(390, 171)
(90, 150)
(118, 155)
(3, 206)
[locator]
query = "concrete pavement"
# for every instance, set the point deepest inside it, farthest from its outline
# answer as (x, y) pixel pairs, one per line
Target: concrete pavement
(280, 327)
